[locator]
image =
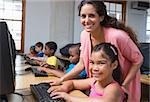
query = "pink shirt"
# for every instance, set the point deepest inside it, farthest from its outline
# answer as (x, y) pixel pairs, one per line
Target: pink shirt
(128, 54)
(94, 93)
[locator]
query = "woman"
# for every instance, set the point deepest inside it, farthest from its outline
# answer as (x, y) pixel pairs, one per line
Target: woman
(98, 28)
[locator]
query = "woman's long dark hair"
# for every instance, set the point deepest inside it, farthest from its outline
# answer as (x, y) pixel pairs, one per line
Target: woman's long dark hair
(112, 52)
(108, 20)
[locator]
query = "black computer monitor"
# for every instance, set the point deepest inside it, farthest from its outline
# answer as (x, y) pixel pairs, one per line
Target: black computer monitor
(7, 60)
(145, 50)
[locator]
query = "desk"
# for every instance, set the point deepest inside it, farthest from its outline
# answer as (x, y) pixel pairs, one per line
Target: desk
(23, 82)
(145, 79)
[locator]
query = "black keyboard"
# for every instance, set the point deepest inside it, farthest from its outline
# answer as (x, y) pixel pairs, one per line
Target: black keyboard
(40, 93)
(38, 73)
(31, 62)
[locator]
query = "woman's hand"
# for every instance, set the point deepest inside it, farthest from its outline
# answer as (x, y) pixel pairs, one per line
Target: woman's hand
(63, 95)
(125, 88)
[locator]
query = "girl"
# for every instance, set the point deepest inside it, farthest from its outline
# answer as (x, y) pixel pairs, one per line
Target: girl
(102, 84)
(98, 28)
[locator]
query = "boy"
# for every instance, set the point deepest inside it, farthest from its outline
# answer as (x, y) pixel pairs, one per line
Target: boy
(39, 48)
(50, 49)
(74, 52)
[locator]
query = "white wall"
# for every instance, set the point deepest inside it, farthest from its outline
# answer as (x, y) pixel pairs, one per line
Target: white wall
(58, 20)
(36, 22)
(48, 20)
(137, 20)
(77, 26)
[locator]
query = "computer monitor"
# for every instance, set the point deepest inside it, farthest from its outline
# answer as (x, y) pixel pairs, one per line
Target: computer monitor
(7, 60)
(145, 50)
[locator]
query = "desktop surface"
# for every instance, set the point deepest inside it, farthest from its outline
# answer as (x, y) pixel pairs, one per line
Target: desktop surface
(24, 81)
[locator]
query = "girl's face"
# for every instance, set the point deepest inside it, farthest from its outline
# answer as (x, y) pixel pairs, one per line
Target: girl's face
(74, 57)
(47, 51)
(89, 18)
(101, 67)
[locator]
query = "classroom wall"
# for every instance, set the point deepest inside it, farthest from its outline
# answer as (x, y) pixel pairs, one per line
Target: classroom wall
(137, 20)
(49, 20)
(36, 22)
(58, 20)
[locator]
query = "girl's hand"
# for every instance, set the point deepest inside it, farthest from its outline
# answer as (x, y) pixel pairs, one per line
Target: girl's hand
(63, 95)
(54, 89)
(61, 88)
(55, 82)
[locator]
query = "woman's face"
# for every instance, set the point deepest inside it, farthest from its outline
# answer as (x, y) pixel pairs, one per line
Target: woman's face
(101, 67)
(89, 18)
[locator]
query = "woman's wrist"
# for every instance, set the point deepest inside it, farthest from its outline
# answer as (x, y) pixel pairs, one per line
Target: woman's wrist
(61, 79)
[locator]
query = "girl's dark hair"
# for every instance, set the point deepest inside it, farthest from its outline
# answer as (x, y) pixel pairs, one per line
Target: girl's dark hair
(108, 20)
(112, 52)
(52, 45)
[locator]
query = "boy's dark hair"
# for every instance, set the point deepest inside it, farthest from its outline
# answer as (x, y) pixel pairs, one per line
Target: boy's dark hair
(76, 45)
(39, 44)
(33, 48)
(52, 45)
(65, 50)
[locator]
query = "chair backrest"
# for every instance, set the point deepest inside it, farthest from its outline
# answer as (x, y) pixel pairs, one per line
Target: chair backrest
(7, 60)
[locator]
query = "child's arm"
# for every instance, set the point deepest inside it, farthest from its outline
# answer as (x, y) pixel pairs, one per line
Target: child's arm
(56, 72)
(69, 85)
(112, 93)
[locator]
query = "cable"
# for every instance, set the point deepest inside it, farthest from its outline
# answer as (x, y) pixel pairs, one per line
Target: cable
(20, 93)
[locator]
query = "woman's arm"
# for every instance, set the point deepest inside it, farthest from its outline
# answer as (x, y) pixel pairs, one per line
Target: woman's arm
(56, 72)
(75, 71)
(131, 74)
(133, 54)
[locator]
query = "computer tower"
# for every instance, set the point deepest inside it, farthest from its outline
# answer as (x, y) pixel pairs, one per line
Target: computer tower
(7, 60)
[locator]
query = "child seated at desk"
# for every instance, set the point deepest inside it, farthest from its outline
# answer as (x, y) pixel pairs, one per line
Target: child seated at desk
(104, 82)
(32, 52)
(39, 55)
(74, 52)
(51, 62)
(39, 48)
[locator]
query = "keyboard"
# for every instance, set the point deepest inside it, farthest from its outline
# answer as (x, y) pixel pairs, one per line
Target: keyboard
(38, 73)
(31, 62)
(40, 93)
